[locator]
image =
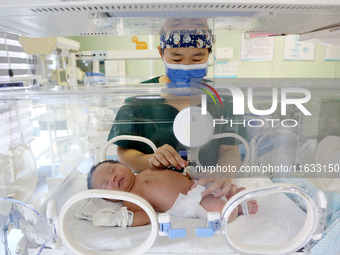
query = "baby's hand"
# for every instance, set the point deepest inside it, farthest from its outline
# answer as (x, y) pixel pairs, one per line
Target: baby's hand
(166, 156)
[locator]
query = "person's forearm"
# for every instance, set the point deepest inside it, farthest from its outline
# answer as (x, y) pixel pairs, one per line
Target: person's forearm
(135, 160)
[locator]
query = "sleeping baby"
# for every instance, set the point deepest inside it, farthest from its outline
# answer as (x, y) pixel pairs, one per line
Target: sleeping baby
(165, 190)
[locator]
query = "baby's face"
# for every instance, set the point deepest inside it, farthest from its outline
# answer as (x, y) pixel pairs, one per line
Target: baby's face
(113, 177)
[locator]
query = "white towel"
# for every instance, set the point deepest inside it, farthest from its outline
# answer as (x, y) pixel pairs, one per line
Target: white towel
(90, 206)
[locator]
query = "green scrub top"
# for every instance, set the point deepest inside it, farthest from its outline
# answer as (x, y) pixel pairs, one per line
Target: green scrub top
(153, 80)
(149, 116)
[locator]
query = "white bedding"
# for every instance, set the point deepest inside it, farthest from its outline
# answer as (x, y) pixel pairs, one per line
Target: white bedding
(278, 220)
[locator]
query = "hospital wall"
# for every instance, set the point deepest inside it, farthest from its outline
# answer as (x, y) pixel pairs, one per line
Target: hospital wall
(278, 68)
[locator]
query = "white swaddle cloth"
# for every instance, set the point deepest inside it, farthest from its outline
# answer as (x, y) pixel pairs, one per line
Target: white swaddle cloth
(188, 206)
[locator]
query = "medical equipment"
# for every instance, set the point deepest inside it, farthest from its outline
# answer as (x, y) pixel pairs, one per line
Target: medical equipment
(309, 230)
(18, 178)
(193, 159)
(279, 154)
(76, 243)
(67, 107)
(77, 197)
(63, 47)
(76, 248)
(68, 152)
(38, 231)
(88, 113)
(165, 227)
(312, 228)
(193, 129)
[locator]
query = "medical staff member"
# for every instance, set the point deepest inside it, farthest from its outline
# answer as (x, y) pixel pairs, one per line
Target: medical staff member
(185, 45)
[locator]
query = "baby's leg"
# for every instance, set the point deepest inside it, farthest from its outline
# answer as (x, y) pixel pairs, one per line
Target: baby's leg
(213, 204)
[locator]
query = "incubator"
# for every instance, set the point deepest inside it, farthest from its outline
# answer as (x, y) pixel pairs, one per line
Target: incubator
(286, 130)
(44, 177)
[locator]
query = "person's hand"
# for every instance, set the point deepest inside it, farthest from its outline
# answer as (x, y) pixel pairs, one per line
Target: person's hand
(167, 156)
(219, 187)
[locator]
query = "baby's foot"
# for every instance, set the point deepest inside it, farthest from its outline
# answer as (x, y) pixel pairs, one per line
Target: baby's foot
(252, 208)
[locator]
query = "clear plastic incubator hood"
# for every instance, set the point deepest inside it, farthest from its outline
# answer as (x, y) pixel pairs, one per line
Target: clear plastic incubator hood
(60, 133)
(285, 130)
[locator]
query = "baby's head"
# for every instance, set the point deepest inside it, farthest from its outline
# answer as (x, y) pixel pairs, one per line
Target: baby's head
(110, 175)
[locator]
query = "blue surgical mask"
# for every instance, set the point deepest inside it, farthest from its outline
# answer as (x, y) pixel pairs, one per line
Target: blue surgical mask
(183, 74)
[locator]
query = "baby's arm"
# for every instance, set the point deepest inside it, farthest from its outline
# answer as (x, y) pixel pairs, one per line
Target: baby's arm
(140, 217)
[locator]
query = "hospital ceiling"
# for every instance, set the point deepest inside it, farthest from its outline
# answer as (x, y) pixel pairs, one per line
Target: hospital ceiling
(104, 17)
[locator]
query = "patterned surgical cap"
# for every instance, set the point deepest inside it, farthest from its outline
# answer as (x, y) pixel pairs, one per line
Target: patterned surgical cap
(196, 38)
